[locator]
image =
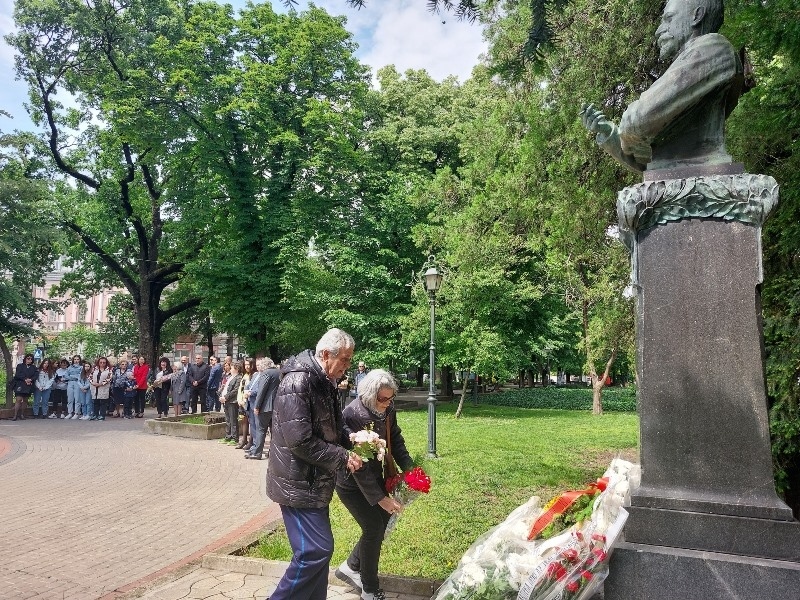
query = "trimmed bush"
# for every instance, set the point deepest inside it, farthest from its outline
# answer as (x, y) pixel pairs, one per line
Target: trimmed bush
(615, 399)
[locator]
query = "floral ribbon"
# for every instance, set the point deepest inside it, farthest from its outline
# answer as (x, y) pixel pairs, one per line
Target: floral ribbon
(562, 503)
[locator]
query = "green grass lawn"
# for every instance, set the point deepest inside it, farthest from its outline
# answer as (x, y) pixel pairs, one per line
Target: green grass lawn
(491, 460)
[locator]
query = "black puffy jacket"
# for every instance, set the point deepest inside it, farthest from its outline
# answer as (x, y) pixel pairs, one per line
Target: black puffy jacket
(308, 442)
(370, 478)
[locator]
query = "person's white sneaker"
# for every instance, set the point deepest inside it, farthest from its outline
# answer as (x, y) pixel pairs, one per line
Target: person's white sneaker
(85, 418)
(376, 595)
(64, 416)
(75, 416)
(53, 416)
(348, 575)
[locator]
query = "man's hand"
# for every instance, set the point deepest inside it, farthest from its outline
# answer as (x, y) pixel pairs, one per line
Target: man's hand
(595, 121)
(390, 505)
(354, 462)
(256, 411)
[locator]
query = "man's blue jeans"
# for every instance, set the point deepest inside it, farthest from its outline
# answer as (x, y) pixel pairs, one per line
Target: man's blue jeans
(311, 538)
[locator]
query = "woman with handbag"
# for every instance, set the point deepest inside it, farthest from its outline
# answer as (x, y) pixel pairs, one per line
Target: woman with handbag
(364, 492)
(23, 383)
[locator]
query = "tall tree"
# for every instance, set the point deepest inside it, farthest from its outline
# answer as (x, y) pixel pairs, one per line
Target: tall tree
(122, 186)
(29, 241)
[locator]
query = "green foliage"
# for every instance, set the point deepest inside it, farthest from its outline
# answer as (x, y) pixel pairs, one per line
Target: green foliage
(764, 133)
(494, 458)
(615, 399)
(80, 339)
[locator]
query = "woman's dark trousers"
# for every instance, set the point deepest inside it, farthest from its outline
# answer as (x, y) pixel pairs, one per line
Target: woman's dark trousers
(367, 551)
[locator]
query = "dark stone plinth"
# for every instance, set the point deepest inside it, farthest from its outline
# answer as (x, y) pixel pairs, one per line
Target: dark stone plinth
(639, 572)
(705, 522)
(705, 443)
(763, 538)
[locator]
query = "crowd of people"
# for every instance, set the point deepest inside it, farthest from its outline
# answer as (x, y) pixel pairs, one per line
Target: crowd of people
(309, 411)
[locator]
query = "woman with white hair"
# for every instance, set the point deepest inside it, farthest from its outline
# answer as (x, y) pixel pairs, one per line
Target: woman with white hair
(364, 493)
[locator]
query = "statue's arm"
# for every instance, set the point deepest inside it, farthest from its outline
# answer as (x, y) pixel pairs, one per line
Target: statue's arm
(608, 137)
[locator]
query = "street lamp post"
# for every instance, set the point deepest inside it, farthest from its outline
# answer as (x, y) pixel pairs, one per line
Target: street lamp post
(432, 279)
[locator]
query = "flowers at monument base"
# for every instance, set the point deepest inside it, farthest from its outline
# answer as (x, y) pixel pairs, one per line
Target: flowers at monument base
(405, 488)
(368, 444)
(557, 552)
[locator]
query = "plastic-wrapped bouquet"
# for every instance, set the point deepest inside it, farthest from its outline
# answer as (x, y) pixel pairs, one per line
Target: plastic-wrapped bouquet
(554, 553)
(368, 445)
(405, 488)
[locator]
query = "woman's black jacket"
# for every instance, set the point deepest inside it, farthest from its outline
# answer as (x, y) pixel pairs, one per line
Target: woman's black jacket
(371, 478)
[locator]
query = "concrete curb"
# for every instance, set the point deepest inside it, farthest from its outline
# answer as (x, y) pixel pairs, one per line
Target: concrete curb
(275, 568)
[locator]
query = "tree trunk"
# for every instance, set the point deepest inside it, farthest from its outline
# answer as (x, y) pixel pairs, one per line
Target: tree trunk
(420, 378)
(209, 330)
(463, 394)
(9, 371)
(447, 382)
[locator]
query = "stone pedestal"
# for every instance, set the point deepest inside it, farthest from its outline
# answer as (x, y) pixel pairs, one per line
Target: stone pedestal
(705, 521)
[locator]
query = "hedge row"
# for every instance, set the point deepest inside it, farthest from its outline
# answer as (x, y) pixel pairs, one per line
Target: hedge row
(615, 399)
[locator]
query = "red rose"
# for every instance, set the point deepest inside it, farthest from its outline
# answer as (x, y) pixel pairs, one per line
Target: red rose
(572, 586)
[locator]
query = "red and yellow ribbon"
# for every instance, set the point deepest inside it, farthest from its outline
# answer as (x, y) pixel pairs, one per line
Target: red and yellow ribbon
(562, 503)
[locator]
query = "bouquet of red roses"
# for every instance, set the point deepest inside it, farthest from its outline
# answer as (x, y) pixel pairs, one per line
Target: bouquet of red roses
(405, 488)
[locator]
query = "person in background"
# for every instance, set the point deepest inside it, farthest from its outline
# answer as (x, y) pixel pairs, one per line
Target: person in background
(228, 397)
(73, 389)
(85, 385)
(101, 387)
(198, 382)
(214, 380)
(241, 400)
(161, 386)
(250, 394)
(44, 387)
(122, 374)
(344, 390)
(140, 373)
(23, 384)
(308, 447)
(364, 493)
(179, 390)
(59, 395)
(262, 407)
(360, 374)
(185, 396)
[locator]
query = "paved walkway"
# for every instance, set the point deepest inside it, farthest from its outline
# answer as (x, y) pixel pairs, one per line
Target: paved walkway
(103, 510)
(91, 508)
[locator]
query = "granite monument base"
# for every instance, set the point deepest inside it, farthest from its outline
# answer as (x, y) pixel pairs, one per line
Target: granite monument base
(705, 521)
(641, 572)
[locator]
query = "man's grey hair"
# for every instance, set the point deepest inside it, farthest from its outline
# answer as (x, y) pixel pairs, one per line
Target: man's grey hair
(333, 341)
(373, 382)
(264, 363)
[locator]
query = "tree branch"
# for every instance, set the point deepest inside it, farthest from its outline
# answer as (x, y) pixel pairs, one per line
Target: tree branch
(108, 260)
(178, 308)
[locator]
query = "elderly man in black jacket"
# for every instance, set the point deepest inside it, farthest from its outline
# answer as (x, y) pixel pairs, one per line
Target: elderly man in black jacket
(308, 447)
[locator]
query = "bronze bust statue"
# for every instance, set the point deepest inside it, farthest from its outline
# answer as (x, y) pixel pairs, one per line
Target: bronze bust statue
(680, 120)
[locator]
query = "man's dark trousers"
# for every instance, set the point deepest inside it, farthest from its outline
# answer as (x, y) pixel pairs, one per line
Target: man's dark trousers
(263, 422)
(212, 400)
(311, 538)
(197, 396)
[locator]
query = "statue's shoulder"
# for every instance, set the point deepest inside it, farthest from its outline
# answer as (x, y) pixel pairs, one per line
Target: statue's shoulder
(711, 52)
(711, 44)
